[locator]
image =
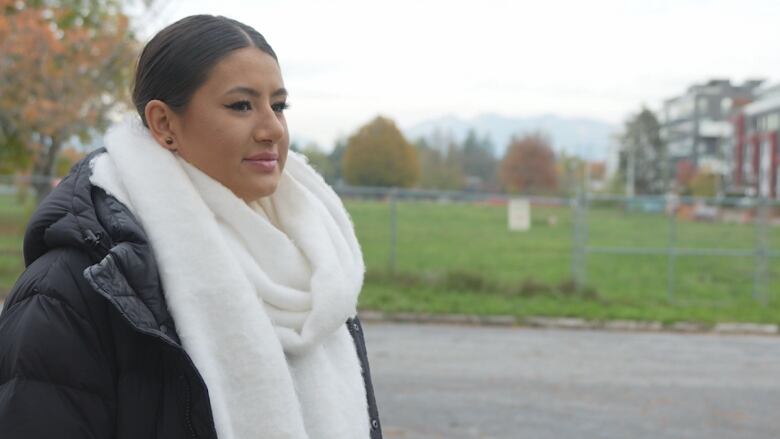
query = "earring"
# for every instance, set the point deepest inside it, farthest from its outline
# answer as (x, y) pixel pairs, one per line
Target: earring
(169, 141)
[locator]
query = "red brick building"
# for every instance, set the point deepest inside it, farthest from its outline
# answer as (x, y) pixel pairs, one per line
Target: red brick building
(756, 156)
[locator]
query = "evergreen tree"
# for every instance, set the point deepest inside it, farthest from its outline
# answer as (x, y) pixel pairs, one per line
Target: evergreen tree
(643, 155)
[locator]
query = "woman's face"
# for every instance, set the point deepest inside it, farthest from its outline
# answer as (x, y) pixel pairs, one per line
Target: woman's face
(234, 128)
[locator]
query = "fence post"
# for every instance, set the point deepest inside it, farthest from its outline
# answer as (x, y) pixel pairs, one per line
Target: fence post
(672, 253)
(393, 228)
(575, 241)
(762, 238)
(584, 238)
(577, 248)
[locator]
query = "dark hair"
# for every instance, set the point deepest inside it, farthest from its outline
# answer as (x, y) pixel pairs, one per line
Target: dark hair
(179, 58)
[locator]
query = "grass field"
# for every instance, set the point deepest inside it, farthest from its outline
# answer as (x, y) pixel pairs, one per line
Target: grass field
(460, 258)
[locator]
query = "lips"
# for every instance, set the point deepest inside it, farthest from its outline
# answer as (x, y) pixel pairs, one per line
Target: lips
(265, 155)
(265, 161)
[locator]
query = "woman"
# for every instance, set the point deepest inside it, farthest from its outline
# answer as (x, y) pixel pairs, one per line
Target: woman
(193, 278)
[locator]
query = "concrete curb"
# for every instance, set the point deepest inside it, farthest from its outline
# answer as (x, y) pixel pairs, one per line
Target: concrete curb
(571, 323)
(567, 323)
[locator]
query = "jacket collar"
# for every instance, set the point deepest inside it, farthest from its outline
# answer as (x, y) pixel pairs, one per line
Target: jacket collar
(65, 216)
(79, 215)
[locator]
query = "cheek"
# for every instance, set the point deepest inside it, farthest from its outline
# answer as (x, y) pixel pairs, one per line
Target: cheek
(219, 144)
(284, 145)
(213, 152)
(283, 154)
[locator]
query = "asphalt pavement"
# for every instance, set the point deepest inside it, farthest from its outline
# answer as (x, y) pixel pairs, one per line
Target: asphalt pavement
(450, 381)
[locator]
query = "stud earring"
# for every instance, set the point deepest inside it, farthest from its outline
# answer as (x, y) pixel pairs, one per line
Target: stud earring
(169, 141)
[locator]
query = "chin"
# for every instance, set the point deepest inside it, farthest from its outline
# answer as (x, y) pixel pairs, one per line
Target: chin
(260, 192)
(257, 187)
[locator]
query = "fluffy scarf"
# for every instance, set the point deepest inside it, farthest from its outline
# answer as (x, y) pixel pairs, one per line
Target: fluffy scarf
(260, 292)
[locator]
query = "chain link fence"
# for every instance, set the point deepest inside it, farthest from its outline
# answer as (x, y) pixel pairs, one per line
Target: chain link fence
(664, 248)
(668, 248)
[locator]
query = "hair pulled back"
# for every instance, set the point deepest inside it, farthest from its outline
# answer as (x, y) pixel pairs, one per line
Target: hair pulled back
(176, 61)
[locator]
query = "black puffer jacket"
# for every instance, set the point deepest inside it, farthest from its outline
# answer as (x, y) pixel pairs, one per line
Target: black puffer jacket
(88, 348)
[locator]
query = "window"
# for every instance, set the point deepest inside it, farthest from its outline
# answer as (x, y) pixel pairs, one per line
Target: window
(725, 105)
(703, 106)
(772, 122)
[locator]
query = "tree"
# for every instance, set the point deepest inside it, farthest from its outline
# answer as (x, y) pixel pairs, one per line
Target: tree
(704, 183)
(478, 158)
(438, 170)
(684, 173)
(643, 155)
(336, 158)
(13, 154)
(66, 65)
(379, 155)
(571, 173)
(67, 158)
(320, 161)
(529, 165)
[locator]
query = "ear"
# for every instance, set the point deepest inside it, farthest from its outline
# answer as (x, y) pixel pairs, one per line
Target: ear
(161, 119)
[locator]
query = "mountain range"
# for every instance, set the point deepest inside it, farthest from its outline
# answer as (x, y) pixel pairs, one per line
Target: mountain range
(587, 138)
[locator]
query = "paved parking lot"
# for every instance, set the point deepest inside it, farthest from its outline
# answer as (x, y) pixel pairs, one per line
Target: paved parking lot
(447, 381)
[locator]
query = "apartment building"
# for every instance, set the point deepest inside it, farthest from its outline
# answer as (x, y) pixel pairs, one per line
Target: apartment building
(698, 126)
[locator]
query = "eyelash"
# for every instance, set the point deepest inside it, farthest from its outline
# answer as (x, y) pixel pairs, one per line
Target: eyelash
(280, 107)
(246, 106)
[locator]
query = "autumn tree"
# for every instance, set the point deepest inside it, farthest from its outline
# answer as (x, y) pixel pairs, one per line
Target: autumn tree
(529, 165)
(704, 183)
(66, 159)
(379, 155)
(66, 65)
(685, 171)
(13, 154)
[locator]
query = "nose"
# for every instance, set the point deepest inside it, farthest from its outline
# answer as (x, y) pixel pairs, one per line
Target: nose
(269, 128)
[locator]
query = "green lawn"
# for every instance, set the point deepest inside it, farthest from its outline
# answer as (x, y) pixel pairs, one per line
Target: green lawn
(439, 245)
(460, 258)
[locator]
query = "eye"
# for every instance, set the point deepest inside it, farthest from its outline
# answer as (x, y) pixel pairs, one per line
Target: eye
(280, 107)
(240, 106)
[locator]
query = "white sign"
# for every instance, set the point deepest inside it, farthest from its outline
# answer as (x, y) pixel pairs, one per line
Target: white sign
(519, 214)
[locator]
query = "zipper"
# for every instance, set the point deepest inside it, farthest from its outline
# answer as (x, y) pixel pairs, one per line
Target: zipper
(356, 329)
(99, 288)
(187, 406)
(95, 240)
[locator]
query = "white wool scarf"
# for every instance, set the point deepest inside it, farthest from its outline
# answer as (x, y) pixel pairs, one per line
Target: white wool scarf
(260, 292)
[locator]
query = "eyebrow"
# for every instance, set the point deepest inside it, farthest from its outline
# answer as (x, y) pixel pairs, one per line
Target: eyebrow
(252, 92)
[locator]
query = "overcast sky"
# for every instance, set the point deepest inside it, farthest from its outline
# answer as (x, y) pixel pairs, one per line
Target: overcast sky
(345, 61)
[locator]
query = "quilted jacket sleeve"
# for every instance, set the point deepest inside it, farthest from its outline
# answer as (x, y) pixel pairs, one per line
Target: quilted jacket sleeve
(55, 380)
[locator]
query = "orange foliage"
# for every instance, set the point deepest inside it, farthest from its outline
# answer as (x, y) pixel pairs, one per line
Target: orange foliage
(529, 165)
(597, 170)
(685, 172)
(59, 81)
